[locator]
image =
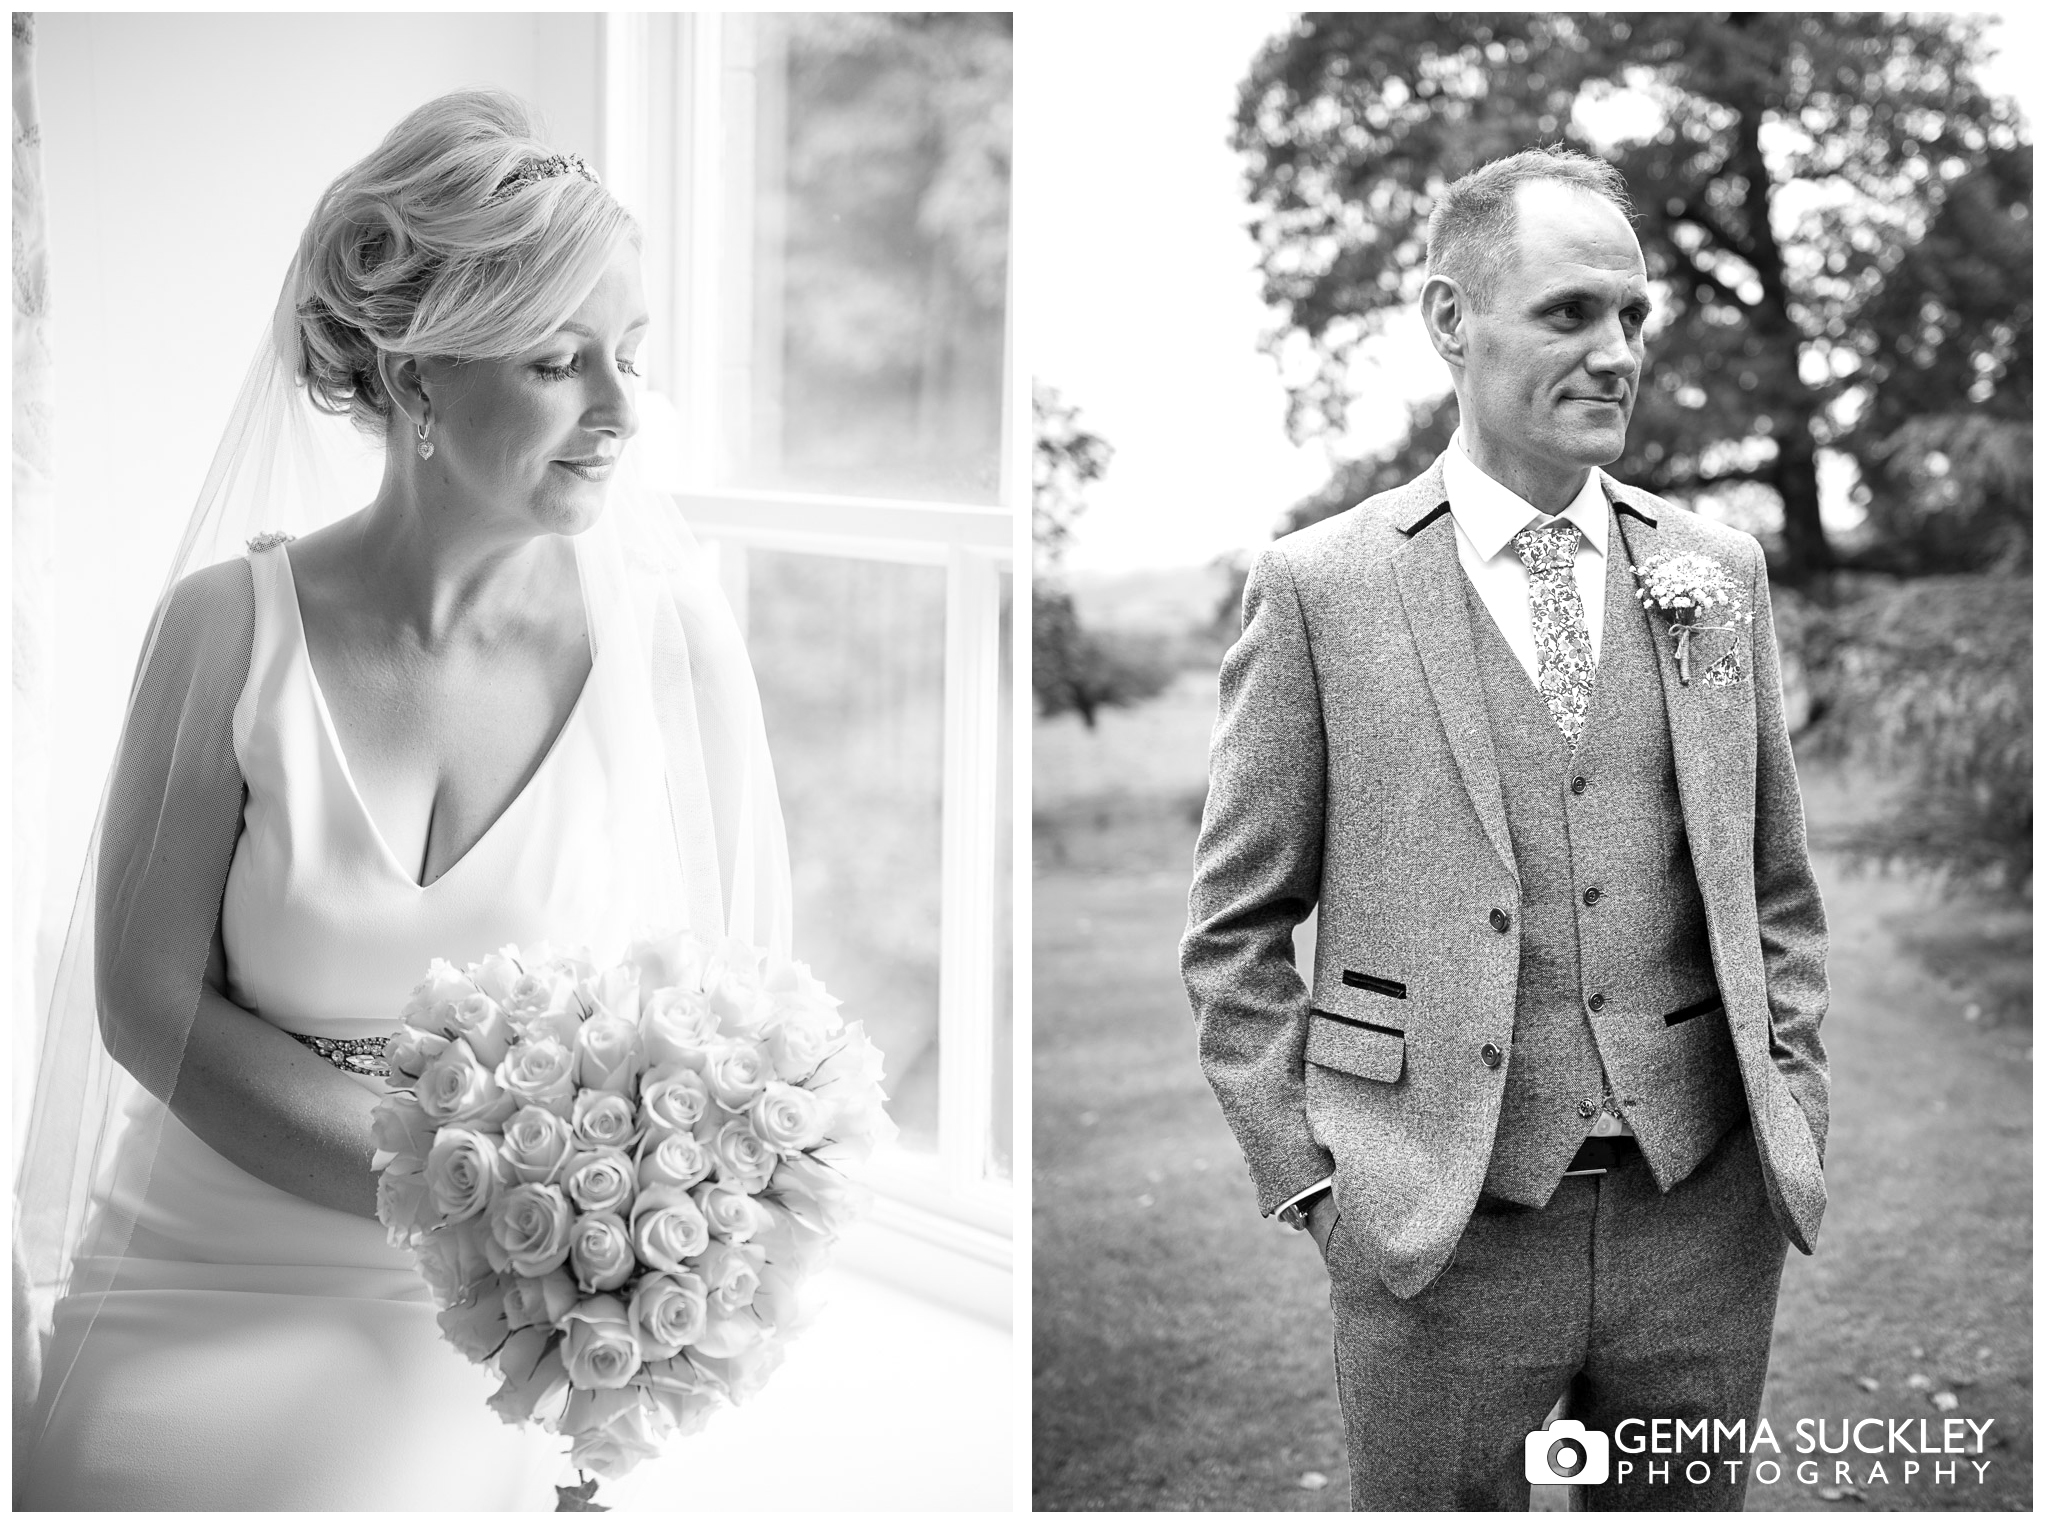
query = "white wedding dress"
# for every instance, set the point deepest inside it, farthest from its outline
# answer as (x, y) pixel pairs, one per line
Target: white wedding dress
(258, 1351)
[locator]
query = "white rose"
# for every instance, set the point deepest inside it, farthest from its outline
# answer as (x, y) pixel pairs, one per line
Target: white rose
(819, 1195)
(742, 1158)
(667, 1311)
(529, 1226)
(796, 1043)
(600, 1350)
(778, 1298)
(745, 1373)
(731, 1213)
(673, 1159)
(462, 1172)
(604, 1119)
(667, 1228)
(673, 961)
(404, 1204)
(480, 1022)
(540, 1072)
(400, 1126)
(537, 1144)
(729, 1331)
(457, 1090)
(790, 986)
(613, 992)
(601, 1180)
(408, 1051)
(735, 1073)
(600, 1252)
(615, 1446)
(673, 1098)
(686, 1399)
(540, 1302)
(443, 982)
(731, 1274)
(732, 981)
(607, 1053)
(676, 1025)
(453, 1257)
(787, 1118)
(848, 1083)
(474, 1321)
(497, 974)
(535, 1378)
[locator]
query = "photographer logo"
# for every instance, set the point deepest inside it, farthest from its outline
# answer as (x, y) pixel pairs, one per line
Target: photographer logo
(1568, 1452)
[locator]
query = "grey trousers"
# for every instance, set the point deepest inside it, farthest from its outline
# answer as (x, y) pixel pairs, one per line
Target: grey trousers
(1634, 1304)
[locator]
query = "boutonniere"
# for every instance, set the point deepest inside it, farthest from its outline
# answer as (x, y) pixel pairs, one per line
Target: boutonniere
(1697, 595)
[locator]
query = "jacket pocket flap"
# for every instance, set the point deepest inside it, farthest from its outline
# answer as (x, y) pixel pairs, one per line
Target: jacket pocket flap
(1369, 1052)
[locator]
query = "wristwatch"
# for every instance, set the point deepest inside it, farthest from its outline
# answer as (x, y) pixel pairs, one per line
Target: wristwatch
(1294, 1215)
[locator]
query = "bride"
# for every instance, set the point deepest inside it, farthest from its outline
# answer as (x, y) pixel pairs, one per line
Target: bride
(502, 702)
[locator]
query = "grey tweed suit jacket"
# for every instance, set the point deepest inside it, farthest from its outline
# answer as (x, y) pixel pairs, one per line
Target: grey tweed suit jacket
(1353, 770)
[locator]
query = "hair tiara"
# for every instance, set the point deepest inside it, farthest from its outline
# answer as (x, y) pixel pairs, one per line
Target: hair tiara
(535, 170)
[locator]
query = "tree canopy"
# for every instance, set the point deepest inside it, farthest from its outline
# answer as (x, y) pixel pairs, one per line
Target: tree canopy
(1836, 215)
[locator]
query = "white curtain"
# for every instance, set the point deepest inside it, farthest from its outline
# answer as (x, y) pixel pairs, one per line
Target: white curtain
(34, 610)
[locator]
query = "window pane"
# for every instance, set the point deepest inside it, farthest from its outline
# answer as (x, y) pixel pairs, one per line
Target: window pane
(850, 659)
(879, 256)
(1004, 904)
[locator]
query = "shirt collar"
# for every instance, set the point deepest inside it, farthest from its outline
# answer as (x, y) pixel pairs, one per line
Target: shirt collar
(1491, 514)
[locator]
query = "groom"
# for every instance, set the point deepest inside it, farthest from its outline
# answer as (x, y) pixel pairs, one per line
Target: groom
(1554, 1098)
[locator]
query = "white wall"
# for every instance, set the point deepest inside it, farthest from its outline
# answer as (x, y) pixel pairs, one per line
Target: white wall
(183, 155)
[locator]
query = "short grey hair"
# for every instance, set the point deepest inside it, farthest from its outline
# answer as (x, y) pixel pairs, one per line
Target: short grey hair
(1473, 231)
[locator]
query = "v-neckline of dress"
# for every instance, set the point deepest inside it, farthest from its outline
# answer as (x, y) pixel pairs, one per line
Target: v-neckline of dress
(332, 735)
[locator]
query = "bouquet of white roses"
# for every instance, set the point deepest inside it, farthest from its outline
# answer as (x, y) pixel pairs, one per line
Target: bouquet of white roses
(616, 1180)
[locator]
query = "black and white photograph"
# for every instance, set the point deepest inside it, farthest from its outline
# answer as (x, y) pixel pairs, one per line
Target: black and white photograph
(1531, 783)
(514, 712)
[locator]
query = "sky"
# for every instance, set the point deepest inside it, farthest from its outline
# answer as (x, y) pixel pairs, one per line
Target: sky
(1141, 297)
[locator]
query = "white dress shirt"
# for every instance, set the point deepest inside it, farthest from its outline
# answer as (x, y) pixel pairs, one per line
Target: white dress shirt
(1487, 516)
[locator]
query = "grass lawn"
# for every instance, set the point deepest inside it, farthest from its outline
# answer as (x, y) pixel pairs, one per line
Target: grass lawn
(1182, 1344)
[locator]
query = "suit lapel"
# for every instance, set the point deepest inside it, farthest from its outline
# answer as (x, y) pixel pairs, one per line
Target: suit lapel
(1706, 748)
(1431, 589)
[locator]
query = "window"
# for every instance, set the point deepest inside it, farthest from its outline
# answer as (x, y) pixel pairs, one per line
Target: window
(825, 200)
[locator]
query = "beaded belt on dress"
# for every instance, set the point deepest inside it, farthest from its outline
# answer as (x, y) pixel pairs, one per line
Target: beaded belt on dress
(357, 1055)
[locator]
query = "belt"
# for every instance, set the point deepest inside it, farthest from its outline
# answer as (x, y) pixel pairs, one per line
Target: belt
(1601, 1154)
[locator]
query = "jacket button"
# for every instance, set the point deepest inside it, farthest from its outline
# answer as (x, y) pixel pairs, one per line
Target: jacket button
(1500, 921)
(1598, 1001)
(1490, 1054)
(1586, 1110)
(1578, 785)
(1592, 896)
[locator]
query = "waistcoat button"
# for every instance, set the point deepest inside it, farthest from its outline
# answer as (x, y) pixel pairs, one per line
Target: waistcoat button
(1578, 785)
(1490, 1054)
(1586, 1110)
(1500, 921)
(1598, 1001)
(1592, 896)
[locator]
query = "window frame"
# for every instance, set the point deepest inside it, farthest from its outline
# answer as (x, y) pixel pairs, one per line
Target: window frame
(677, 100)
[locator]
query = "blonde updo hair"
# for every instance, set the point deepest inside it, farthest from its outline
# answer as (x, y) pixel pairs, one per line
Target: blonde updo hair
(412, 252)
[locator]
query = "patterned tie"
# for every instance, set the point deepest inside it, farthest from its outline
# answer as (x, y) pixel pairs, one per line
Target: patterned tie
(1562, 637)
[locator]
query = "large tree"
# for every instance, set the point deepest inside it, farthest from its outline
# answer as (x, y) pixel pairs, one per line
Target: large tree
(1835, 212)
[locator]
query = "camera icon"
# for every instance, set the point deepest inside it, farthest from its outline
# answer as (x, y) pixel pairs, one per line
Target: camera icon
(1568, 1452)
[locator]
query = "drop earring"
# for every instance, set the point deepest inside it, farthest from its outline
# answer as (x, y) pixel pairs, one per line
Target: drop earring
(425, 444)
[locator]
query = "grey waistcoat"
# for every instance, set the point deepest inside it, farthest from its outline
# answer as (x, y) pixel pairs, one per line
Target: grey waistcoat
(1656, 1048)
